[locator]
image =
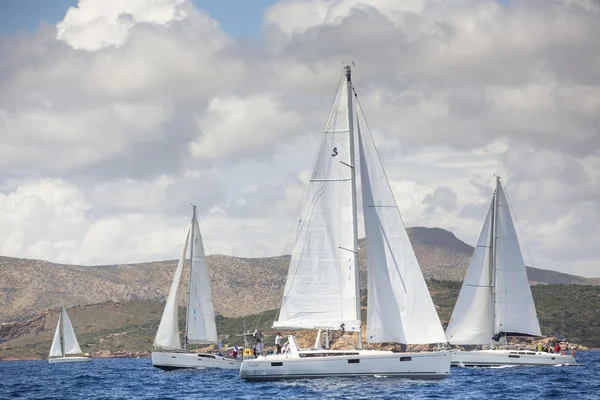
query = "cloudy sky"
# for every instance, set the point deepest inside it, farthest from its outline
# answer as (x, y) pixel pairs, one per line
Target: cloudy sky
(115, 116)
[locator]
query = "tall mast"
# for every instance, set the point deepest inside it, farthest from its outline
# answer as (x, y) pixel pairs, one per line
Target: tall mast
(493, 258)
(354, 216)
(187, 309)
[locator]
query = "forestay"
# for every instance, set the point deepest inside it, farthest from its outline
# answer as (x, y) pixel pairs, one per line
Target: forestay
(471, 321)
(55, 350)
(70, 341)
(321, 290)
(400, 308)
(200, 312)
(515, 309)
(167, 335)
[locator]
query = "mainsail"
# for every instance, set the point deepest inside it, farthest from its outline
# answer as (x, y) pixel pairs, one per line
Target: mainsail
(495, 298)
(399, 307)
(321, 289)
(56, 350)
(201, 326)
(167, 335)
(70, 341)
(471, 321)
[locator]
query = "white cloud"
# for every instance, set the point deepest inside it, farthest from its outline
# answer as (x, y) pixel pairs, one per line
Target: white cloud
(126, 112)
(93, 25)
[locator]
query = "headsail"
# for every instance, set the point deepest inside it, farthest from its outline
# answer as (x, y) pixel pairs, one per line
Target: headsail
(321, 288)
(55, 350)
(400, 308)
(200, 311)
(471, 321)
(167, 335)
(70, 340)
(515, 309)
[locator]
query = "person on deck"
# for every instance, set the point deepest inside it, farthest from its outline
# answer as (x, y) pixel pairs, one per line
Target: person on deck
(278, 342)
(259, 348)
(557, 348)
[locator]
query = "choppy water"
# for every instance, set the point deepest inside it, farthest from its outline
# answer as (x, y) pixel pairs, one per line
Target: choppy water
(137, 379)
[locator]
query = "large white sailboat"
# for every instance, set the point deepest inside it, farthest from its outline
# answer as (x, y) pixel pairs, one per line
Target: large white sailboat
(322, 287)
(200, 327)
(495, 300)
(71, 345)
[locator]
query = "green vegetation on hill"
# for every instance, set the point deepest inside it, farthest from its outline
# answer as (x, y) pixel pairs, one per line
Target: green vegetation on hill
(572, 311)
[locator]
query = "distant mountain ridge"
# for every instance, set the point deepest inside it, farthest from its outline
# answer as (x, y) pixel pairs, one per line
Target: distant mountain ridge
(241, 286)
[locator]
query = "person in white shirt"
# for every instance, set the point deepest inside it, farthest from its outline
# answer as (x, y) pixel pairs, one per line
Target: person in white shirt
(278, 342)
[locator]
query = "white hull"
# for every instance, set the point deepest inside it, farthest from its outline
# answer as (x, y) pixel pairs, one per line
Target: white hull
(69, 359)
(328, 363)
(495, 358)
(174, 360)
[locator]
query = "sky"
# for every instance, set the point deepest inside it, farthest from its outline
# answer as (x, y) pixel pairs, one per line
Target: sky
(115, 116)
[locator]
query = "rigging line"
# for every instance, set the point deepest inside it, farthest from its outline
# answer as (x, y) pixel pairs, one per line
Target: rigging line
(512, 210)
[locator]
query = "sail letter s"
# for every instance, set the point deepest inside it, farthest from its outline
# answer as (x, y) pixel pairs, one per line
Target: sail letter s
(335, 152)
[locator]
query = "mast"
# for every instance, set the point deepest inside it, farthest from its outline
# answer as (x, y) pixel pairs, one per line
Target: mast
(190, 277)
(493, 259)
(354, 216)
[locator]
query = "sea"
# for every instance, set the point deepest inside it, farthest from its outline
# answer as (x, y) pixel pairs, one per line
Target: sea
(130, 378)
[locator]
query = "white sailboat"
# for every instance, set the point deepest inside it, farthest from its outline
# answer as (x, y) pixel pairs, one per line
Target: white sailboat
(322, 287)
(495, 300)
(71, 345)
(200, 325)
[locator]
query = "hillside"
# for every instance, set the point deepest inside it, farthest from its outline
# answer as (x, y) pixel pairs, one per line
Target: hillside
(128, 328)
(240, 285)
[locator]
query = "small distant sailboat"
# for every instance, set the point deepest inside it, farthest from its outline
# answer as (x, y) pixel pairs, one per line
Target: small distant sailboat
(200, 327)
(71, 346)
(495, 300)
(322, 286)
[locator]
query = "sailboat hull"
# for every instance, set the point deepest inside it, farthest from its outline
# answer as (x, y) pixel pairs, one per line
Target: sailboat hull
(175, 360)
(69, 359)
(497, 358)
(319, 364)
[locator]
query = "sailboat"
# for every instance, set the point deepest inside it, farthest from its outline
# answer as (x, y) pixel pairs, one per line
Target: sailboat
(322, 286)
(71, 345)
(495, 300)
(200, 327)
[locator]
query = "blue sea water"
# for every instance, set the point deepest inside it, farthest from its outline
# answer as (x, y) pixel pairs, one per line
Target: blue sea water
(137, 379)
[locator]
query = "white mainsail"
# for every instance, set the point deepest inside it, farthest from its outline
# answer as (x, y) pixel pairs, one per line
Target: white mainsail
(201, 326)
(70, 340)
(471, 321)
(167, 335)
(399, 307)
(495, 297)
(56, 350)
(515, 312)
(321, 289)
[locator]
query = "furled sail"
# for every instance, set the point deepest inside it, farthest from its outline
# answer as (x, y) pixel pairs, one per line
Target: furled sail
(200, 312)
(471, 321)
(167, 335)
(400, 308)
(515, 310)
(70, 340)
(55, 350)
(321, 287)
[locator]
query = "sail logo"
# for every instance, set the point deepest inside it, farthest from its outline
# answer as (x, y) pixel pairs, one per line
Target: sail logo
(335, 152)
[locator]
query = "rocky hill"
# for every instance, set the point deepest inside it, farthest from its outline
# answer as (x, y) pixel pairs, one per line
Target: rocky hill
(241, 286)
(127, 328)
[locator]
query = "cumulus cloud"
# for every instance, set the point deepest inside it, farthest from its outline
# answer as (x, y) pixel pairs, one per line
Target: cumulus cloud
(116, 119)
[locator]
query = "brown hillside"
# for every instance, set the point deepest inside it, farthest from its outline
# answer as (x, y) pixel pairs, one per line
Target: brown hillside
(241, 286)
